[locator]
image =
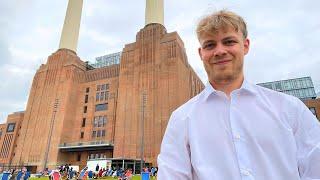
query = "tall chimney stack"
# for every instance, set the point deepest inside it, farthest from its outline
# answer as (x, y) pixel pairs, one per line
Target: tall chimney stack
(154, 11)
(70, 31)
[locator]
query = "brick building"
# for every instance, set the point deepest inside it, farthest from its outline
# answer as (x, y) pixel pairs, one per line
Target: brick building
(9, 135)
(314, 106)
(119, 112)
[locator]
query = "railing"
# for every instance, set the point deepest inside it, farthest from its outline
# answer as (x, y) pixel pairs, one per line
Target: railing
(86, 144)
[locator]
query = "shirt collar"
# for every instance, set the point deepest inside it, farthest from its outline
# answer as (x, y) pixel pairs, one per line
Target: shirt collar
(246, 88)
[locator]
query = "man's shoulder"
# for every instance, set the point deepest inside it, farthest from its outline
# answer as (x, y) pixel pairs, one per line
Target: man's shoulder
(269, 95)
(273, 93)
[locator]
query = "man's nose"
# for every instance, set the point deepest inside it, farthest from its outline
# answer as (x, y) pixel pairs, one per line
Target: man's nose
(220, 50)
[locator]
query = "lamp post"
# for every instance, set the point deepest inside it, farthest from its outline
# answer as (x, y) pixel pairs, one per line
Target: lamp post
(143, 105)
(55, 107)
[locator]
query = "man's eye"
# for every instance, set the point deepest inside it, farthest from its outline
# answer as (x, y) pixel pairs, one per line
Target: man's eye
(208, 46)
(230, 42)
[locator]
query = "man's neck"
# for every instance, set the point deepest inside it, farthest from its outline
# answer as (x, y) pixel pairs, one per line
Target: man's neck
(227, 86)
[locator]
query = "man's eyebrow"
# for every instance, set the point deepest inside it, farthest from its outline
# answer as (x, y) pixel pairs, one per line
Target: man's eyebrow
(229, 37)
(209, 41)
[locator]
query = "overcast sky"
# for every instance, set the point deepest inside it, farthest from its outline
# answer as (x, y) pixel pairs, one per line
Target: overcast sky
(285, 37)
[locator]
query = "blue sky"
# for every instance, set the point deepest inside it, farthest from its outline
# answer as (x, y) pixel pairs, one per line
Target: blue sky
(284, 36)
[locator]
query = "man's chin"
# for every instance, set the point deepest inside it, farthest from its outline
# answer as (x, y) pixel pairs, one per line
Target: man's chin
(222, 78)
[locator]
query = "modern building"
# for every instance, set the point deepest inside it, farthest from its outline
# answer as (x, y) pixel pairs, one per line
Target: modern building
(301, 88)
(107, 60)
(116, 110)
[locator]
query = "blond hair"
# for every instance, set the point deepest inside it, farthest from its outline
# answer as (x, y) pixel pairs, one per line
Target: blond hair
(222, 19)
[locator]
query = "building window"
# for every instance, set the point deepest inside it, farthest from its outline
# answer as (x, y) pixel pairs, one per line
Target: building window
(97, 96)
(278, 86)
(101, 107)
(103, 87)
(313, 110)
(79, 157)
(104, 121)
(86, 98)
(309, 82)
(94, 134)
(83, 122)
(98, 133)
(10, 127)
(103, 133)
(286, 85)
(99, 121)
(106, 95)
(81, 135)
(87, 90)
(95, 121)
(304, 83)
(102, 96)
(85, 109)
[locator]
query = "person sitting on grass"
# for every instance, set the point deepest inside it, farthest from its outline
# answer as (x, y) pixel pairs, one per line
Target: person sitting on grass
(54, 175)
(128, 175)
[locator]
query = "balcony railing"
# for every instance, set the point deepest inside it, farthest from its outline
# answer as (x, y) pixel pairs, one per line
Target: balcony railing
(79, 146)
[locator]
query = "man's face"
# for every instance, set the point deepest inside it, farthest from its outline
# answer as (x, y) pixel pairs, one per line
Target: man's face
(222, 54)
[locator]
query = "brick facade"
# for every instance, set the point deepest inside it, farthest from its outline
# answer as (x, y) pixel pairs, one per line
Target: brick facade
(67, 101)
(9, 134)
(314, 103)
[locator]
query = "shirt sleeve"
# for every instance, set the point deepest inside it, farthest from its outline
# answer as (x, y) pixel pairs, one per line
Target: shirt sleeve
(174, 158)
(307, 136)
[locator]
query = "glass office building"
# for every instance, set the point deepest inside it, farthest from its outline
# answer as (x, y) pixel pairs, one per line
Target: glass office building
(301, 88)
(107, 60)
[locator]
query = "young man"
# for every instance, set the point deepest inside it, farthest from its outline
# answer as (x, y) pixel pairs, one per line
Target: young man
(234, 129)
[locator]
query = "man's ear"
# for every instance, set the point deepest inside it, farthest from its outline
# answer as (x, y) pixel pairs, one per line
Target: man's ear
(200, 53)
(246, 45)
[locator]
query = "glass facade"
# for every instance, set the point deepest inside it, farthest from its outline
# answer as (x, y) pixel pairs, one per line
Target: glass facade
(107, 60)
(301, 88)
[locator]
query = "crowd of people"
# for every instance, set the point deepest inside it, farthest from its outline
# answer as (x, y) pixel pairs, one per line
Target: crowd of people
(14, 174)
(67, 172)
(153, 170)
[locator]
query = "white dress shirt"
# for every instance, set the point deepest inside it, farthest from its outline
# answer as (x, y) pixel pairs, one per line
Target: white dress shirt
(256, 134)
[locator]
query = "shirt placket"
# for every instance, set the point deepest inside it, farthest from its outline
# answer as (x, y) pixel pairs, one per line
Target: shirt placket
(240, 142)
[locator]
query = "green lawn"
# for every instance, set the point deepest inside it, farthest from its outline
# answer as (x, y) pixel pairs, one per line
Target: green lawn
(40, 178)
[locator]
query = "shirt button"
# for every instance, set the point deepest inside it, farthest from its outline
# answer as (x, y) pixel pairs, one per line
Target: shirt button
(237, 136)
(245, 172)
